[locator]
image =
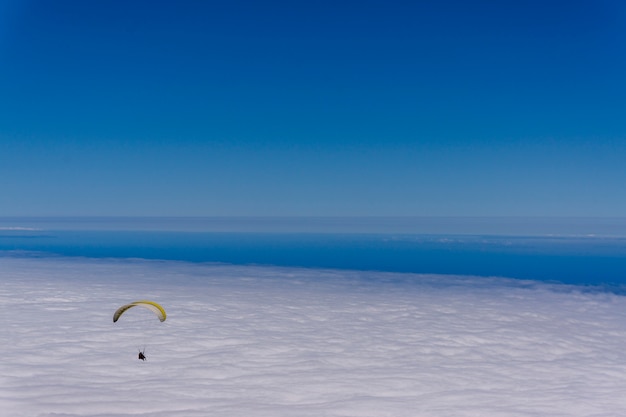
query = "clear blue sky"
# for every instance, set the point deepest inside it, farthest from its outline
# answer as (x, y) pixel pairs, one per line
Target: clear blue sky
(313, 108)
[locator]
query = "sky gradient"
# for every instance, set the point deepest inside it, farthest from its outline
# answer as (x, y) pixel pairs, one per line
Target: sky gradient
(324, 109)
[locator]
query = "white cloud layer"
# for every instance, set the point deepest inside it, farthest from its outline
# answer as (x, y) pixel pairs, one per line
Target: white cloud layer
(262, 341)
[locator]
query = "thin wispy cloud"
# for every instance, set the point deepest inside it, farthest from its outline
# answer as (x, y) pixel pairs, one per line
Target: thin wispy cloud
(265, 341)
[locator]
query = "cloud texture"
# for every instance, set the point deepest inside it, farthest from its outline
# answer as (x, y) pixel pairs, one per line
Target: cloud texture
(264, 341)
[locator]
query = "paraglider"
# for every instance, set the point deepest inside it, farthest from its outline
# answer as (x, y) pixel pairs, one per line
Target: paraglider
(150, 305)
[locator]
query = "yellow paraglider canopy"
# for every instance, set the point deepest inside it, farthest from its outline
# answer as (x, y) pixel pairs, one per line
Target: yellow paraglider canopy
(150, 305)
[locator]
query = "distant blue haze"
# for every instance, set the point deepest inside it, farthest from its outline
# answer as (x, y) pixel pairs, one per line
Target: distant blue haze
(573, 259)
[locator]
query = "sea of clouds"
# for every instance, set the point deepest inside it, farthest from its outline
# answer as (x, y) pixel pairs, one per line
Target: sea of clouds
(268, 341)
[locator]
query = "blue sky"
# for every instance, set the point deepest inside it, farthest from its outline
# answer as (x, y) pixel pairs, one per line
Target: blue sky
(369, 108)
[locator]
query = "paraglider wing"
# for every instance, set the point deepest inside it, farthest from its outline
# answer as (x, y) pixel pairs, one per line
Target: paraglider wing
(150, 305)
